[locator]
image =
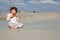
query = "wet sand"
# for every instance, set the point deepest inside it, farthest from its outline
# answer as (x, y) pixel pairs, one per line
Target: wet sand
(37, 26)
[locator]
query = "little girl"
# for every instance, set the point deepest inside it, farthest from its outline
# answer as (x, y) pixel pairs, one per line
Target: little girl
(12, 19)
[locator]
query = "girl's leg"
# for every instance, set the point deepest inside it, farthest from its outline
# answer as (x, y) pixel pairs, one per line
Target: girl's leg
(14, 27)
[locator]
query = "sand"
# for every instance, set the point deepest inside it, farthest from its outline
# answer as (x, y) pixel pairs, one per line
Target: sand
(37, 26)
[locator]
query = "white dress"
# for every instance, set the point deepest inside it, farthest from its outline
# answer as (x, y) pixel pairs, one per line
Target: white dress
(13, 21)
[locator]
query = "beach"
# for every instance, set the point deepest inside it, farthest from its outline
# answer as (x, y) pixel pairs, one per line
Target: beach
(37, 26)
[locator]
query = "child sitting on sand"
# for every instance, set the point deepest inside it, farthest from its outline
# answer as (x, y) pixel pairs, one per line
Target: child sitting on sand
(12, 19)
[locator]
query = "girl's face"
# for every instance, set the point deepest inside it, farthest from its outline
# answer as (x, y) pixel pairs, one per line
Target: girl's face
(13, 11)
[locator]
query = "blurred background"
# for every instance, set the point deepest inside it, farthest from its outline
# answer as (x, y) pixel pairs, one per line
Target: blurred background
(31, 5)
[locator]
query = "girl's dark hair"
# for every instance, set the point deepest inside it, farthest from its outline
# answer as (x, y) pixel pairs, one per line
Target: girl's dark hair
(11, 8)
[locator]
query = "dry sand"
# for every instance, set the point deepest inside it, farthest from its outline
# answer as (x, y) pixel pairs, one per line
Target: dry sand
(37, 26)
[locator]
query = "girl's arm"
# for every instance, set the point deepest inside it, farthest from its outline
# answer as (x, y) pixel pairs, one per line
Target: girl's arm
(9, 17)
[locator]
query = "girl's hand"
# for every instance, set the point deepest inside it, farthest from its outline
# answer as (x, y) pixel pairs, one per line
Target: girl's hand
(11, 16)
